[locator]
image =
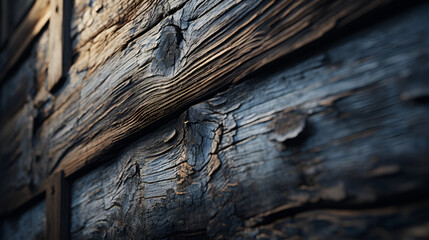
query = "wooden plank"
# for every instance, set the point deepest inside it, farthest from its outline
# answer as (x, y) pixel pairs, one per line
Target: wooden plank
(327, 146)
(21, 38)
(407, 221)
(59, 42)
(57, 208)
(220, 49)
(4, 22)
(125, 92)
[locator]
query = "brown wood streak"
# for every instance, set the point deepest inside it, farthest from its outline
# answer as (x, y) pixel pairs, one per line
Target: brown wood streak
(59, 42)
(57, 207)
(226, 59)
(31, 25)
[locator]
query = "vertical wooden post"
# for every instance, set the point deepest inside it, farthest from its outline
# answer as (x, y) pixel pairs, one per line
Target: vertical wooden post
(57, 208)
(4, 22)
(59, 42)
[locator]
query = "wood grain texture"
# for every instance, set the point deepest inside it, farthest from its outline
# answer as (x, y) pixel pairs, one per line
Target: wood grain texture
(328, 148)
(124, 90)
(21, 38)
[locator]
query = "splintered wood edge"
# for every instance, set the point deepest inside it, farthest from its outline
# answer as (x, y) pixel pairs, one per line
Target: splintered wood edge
(27, 30)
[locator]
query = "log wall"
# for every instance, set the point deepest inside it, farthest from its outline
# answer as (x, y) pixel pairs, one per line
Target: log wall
(332, 146)
(194, 119)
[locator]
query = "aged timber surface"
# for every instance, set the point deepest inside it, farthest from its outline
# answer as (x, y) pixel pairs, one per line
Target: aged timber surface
(119, 83)
(334, 146)
(136, 62)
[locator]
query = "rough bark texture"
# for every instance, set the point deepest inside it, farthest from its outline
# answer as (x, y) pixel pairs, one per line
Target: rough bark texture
(333, 146)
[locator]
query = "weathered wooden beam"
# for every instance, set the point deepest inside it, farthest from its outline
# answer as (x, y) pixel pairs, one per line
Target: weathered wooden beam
(4, 22)
(172, 63)
(334, 146)
(57, 208)
(224, 49)
(59, 42)
(21, 38)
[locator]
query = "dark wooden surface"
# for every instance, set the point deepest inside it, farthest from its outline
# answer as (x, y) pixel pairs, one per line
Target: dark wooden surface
(4, 22)
(220, 47)
(11, 14)
(27, 224)
(23, 102)
(21, 37)
(326, 139)
(331, 146)
(119, 75)
(57, 208)
(114, 89)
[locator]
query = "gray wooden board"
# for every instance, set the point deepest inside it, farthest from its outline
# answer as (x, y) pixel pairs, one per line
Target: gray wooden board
(333, 146)
(136, 62)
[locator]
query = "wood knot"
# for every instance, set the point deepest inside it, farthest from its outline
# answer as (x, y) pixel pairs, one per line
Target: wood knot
(288, 125)
(168, 52)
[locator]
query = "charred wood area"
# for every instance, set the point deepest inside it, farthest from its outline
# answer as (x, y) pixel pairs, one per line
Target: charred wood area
(197, 119)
